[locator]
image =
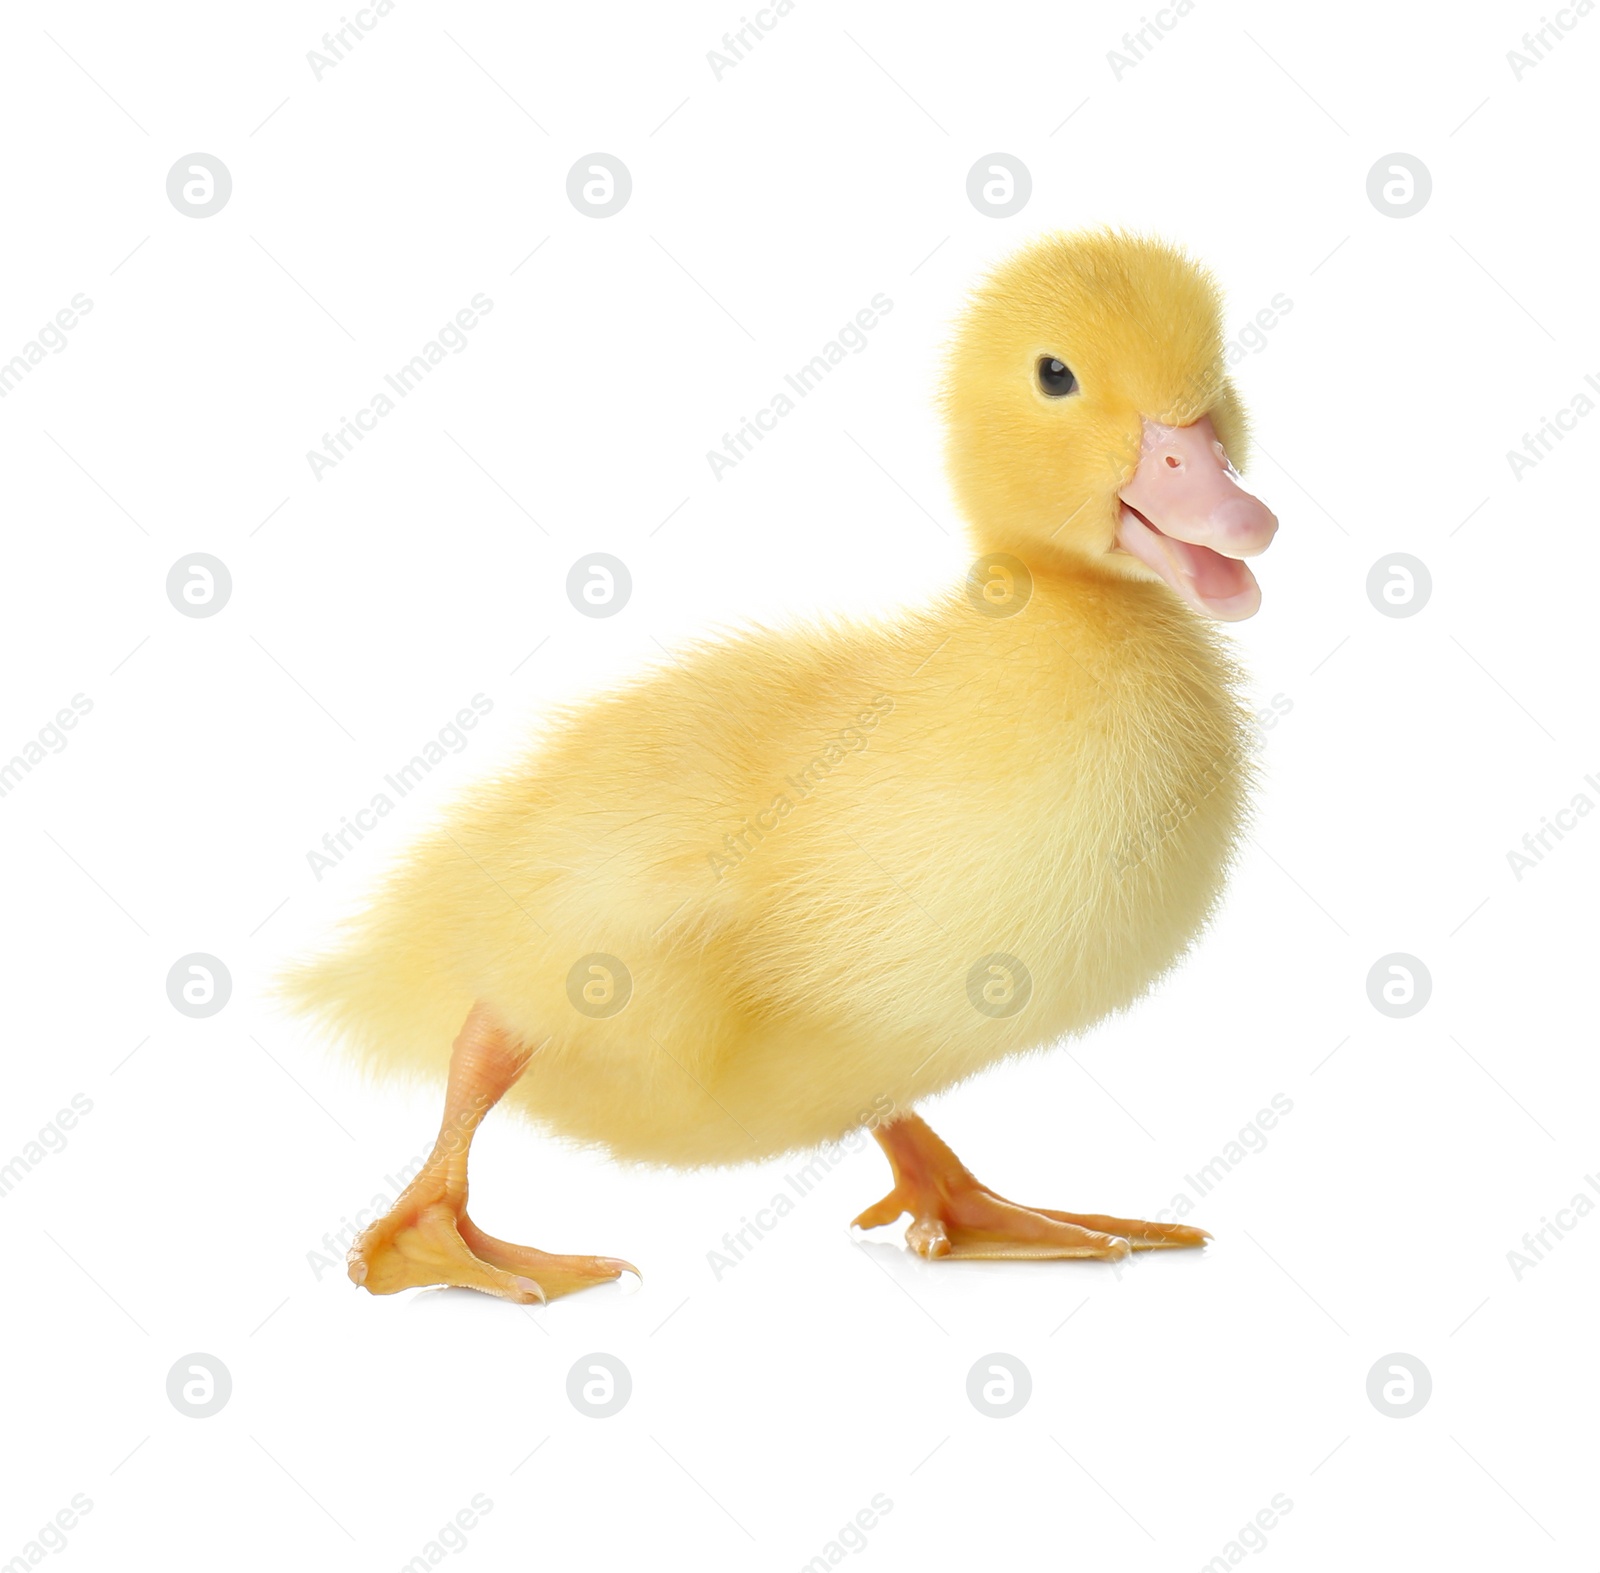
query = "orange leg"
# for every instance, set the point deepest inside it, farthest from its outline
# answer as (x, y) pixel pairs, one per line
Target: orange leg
(954, 1215)
(427, 1237)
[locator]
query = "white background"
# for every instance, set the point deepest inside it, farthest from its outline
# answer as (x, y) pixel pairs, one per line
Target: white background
(1172, 1399)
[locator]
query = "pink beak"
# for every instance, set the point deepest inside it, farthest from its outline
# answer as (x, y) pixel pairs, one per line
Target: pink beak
(1187, 517)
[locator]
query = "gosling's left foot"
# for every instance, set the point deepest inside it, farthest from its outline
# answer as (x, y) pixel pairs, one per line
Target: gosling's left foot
(955, 1215)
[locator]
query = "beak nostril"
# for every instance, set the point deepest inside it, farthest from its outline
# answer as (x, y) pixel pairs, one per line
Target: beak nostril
(1174, 462)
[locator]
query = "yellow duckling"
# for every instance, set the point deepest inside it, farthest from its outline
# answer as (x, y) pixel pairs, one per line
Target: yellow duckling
(798, 882)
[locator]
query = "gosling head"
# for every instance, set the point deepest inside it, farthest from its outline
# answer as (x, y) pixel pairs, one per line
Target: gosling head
(1090, 416)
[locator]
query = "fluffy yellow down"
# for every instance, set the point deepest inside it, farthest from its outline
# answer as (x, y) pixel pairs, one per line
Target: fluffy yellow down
(801, 844)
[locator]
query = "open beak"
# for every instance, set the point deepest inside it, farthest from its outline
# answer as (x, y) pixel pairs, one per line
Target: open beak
(1186, 516)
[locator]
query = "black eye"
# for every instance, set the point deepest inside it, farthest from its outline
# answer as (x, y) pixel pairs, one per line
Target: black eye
(1056, 378)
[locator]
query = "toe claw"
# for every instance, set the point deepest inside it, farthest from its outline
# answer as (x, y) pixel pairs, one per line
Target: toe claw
(528, 1286)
